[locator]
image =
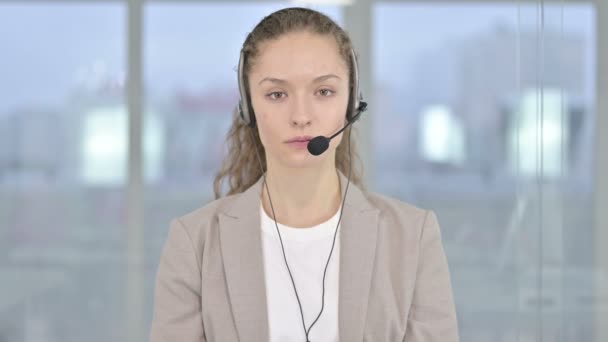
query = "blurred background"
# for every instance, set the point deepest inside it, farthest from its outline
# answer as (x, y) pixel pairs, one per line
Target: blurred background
(493, 113)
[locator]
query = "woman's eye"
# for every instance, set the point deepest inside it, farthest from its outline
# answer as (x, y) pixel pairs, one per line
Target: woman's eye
(326, 92)
(276, 95)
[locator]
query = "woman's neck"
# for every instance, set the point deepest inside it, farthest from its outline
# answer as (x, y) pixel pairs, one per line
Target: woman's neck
(302, 197)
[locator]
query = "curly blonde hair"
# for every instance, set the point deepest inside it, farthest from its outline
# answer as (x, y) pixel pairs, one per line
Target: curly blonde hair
(241, 167)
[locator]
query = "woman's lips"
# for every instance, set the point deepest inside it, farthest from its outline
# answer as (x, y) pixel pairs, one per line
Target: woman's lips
(298, 144)
(300, 138)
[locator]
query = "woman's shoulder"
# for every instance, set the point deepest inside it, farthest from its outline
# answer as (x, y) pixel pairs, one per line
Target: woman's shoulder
(197, 221)
(403, 223)
(397, 212)
(395, 205)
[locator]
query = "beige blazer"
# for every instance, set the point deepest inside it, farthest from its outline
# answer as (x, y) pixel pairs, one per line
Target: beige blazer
(394, 280)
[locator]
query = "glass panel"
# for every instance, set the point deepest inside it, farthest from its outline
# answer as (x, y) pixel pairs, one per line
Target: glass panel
(491, 111)
(191, 90)
(62, 172)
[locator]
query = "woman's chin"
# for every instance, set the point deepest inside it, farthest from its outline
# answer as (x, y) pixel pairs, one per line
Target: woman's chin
(302, 160)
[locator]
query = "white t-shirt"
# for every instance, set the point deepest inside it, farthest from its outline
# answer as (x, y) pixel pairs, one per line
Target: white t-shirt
(306, 250)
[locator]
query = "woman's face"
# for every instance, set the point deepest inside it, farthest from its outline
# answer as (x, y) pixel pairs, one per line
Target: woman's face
(299, 87)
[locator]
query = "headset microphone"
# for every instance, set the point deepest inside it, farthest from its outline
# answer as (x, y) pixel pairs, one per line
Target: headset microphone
(319, 144)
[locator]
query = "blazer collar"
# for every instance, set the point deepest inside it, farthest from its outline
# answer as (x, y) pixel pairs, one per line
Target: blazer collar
(241, 245)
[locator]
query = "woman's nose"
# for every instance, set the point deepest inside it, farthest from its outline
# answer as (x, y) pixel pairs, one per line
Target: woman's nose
(300, 121)
(301, 112)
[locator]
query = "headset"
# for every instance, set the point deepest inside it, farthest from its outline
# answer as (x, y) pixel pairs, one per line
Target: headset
(356, 105)
(316, 146)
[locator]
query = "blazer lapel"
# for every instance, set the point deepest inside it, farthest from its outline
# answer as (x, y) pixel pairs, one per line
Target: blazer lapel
(358, 234)
(241, 244)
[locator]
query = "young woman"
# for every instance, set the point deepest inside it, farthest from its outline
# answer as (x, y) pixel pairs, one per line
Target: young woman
(294, 252)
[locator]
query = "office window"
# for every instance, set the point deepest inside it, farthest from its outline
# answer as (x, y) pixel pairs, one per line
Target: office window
(62, 171)
(484, 112)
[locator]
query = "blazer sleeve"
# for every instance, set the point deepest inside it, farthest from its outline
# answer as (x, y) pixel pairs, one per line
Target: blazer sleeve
(432, 316)
(177, 297)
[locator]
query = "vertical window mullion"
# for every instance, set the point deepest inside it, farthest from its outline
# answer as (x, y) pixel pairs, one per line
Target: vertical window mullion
(134, 205)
